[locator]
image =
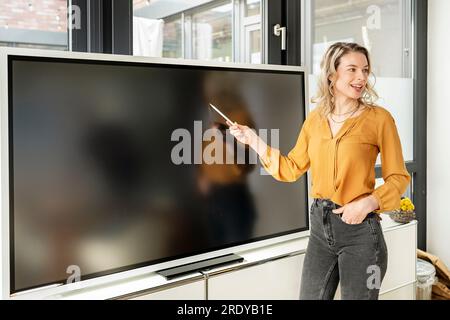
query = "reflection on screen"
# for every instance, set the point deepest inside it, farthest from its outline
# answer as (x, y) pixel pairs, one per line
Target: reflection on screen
(94, 184)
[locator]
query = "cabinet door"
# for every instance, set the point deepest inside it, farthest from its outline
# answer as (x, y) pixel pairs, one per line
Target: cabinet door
(404, 293)
(401, 271)
(189, 291)
(278, 279)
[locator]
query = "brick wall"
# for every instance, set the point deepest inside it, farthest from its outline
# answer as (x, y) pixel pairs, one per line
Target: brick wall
(137, 4)
(44, 15)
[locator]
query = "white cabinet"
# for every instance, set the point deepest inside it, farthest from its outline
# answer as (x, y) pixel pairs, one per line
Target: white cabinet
(192, 291)
(278, 279)
(407, 292)
(267, 273)
(274, 272)
(401, 245)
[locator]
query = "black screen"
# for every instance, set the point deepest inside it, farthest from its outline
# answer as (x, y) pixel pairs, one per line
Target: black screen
(93, 183)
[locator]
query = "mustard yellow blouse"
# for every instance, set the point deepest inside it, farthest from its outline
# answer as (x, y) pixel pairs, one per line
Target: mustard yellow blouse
(343, 167)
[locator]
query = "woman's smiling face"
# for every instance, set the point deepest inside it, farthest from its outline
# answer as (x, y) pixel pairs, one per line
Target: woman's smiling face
(351, 76)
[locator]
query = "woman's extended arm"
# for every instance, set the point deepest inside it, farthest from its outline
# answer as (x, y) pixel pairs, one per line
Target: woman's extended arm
(283, 168)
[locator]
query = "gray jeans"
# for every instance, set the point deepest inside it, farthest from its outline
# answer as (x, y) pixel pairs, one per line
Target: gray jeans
(353, 255)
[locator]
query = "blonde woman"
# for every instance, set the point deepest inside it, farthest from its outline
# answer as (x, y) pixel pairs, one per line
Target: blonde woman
(339, 142)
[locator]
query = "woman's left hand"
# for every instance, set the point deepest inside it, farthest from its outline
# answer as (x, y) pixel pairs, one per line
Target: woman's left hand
(355, 212)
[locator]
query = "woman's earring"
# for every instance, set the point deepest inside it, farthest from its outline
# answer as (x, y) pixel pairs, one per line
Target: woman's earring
(330, 89)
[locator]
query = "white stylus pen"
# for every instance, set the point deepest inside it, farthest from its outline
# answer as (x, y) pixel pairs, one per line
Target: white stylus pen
(219, 112)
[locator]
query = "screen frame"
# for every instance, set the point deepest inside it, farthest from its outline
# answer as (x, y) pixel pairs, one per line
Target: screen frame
(6, 54)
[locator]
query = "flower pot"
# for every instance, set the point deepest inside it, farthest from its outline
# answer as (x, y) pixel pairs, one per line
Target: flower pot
(403, 216)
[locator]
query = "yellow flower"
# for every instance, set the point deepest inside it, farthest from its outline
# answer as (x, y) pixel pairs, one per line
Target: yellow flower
(406, 204)
(406, 201)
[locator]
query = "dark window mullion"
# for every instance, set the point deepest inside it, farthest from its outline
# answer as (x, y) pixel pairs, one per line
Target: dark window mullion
(106, 26)
(293, 24)
(96, 31)
(121, 16)
(79, 36)
(274, 16)
(420, 11)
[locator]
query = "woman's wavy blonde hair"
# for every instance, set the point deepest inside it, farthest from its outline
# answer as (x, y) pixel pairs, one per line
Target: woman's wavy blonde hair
(329, 65)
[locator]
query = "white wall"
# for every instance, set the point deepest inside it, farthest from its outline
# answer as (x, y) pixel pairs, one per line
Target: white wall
(438, 154)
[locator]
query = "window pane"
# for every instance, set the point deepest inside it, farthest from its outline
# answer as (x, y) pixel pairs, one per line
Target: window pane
(158, 29)
(378, 25)
(255, 46)
(199, 29)
(34, 24)
(384, 27)
(252, 8)
(212, 33)
(251, 32)
(172, 39)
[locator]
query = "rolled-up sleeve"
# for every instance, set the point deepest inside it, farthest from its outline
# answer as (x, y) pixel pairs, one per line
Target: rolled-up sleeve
(396, 177)
(291, 167)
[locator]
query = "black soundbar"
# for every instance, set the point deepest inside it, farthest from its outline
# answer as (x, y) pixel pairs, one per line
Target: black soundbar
(203, 265)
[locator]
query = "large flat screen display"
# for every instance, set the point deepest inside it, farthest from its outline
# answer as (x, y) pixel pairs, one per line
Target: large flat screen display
(110, 163)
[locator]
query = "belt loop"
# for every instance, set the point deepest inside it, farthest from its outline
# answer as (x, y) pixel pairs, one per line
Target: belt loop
(316, 202)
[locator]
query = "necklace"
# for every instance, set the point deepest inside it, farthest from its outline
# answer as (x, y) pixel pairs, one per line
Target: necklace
(353, 112)
(343, 114)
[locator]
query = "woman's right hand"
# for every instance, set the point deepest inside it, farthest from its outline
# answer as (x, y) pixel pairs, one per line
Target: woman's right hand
(243, 134)
(246, 135)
